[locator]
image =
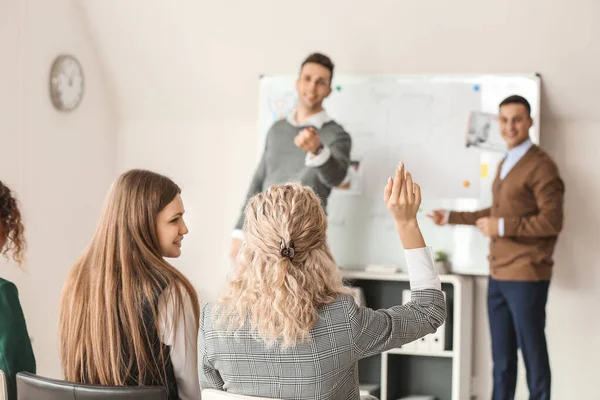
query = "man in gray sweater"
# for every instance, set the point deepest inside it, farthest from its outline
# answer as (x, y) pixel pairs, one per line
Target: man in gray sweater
(307, 147)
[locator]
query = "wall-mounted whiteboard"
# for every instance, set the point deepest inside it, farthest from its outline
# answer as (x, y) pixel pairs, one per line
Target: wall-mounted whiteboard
(425, 121)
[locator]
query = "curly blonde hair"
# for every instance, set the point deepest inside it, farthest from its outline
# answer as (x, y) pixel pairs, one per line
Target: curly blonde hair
(277, 295)
(12, 231)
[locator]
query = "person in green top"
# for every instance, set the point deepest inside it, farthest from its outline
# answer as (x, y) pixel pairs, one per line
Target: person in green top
(16, 354)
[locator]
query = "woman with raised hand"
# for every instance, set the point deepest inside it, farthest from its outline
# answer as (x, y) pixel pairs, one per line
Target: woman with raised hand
(287, 327)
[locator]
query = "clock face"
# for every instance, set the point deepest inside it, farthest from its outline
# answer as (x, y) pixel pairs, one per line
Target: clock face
(66, 83)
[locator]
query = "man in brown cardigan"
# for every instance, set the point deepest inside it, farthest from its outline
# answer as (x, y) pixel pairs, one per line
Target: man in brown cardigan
(523, 224)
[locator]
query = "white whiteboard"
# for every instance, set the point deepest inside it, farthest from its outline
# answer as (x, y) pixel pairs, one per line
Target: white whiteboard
(423, 121)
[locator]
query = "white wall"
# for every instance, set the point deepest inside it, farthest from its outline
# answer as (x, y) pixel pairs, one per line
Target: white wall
(185, 77)
(60, 164)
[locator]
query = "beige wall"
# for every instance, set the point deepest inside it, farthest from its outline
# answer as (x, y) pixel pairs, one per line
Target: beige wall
(60, 165)
(185, 81)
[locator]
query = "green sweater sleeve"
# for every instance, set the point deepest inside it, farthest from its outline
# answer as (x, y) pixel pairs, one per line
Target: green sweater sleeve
(16, 353)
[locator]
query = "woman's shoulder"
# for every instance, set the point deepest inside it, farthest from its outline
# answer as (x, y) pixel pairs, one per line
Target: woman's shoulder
(215, 317)
(207, 309)
(7, 287)
(10, 305)
(5, 282)
(344, 303)
(207, 312)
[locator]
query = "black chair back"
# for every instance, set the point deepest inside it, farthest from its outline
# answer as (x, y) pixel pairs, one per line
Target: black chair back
(34, 387)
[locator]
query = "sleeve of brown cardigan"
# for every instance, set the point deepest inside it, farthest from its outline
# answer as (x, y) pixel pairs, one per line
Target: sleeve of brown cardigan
(548, 189)
(467, 218)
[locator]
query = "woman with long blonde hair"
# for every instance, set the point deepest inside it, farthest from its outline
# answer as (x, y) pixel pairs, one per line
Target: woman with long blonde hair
(16, 353)
(287, 327)
(127, 316)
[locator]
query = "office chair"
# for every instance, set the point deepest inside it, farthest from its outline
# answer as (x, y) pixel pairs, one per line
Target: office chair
(34, 387)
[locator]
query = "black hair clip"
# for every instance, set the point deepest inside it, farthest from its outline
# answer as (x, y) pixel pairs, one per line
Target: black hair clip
(287, 251)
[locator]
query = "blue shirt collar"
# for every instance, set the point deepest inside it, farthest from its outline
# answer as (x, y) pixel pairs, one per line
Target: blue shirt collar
(520, 150)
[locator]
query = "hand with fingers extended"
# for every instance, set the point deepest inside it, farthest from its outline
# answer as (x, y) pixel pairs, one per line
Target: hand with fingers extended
(403, 198)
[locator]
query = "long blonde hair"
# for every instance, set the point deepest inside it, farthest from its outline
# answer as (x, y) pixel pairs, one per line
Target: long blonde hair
(280, 297)
(103, 336)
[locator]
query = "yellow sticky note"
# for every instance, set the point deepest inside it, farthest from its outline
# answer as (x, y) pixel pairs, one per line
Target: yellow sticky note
(484, 171)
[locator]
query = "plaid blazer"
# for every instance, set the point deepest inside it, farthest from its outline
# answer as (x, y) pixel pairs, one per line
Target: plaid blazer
(324, 367)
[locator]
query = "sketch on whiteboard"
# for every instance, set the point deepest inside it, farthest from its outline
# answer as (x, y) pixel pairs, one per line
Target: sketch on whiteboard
(484, 132)
(382, 92)
(352, 183)
(281, 106)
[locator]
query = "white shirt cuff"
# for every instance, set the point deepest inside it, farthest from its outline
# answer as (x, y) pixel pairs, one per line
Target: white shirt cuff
(312, 160)
(501, 227)
(238, 234)
(421, 269)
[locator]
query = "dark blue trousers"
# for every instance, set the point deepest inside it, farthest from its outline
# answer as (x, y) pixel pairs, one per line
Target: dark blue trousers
(517, 314)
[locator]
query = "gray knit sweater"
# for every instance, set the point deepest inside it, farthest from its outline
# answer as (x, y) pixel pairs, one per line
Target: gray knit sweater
(283, 162)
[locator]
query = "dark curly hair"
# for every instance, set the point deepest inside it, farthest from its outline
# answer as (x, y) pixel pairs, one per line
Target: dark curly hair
(11, 226)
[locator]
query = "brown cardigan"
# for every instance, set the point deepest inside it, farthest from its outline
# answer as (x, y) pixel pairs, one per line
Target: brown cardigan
(530, 199)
